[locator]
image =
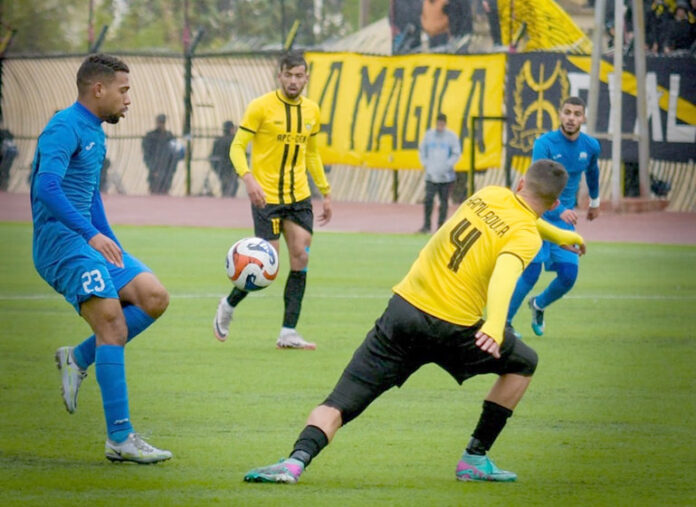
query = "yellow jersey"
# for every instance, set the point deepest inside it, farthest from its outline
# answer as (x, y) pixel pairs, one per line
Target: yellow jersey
(283, 147)
(450, 277)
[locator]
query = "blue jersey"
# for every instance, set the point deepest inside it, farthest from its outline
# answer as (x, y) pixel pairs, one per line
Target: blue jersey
(71, 147)
(578, 157)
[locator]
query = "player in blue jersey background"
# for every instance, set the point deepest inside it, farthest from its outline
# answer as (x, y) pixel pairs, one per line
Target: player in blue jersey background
(578, 153)
(78, 254)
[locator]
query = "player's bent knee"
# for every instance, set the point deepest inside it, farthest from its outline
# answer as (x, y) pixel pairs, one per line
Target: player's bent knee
(350, 399)
(299, 262)
(157, 302)
(567, 274)
(153, 299)
(523, 360)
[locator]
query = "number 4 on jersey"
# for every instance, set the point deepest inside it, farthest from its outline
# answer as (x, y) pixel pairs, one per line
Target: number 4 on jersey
(462, 239)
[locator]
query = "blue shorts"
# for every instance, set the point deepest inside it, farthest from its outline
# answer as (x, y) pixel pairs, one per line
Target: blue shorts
(86, 273)
(551, 254)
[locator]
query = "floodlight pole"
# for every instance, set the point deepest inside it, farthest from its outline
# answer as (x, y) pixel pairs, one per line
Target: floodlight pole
(597, 37)
(616, 106)
(641, 98)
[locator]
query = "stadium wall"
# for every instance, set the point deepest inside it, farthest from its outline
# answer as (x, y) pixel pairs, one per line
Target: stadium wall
(33, 88)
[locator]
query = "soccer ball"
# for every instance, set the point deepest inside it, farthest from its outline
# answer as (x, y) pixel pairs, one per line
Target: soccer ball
(252, 264)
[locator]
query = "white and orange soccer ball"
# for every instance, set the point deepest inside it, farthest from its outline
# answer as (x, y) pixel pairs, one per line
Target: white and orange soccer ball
(252, 264)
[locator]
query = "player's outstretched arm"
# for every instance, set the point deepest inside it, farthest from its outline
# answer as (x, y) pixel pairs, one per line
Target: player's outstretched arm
(568, 240)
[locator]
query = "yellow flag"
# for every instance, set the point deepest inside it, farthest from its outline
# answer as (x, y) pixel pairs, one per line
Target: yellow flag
(541, 25)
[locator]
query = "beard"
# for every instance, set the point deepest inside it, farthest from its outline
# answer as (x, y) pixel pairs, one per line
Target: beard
(570, 132)
(112, 118)
(292, 95)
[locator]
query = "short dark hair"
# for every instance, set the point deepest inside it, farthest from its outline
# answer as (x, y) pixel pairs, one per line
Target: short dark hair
(546, 179)
(99, 66)
(574, 101)
(442, 117)
(292, 59)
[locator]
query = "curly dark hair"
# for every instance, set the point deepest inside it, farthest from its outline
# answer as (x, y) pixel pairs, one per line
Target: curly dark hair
(99, 66)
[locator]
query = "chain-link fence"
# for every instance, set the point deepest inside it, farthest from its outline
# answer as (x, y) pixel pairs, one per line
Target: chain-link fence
(34, 88)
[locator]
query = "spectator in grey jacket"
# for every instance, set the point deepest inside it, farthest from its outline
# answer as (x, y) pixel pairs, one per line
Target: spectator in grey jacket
(439, 151)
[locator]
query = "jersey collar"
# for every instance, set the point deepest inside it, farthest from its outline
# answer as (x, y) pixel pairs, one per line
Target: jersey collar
(286, 100)
(525, 205)
(87, 114)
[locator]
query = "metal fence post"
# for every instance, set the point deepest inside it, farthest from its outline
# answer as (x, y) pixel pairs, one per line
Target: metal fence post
(188, 109)
(472, 154)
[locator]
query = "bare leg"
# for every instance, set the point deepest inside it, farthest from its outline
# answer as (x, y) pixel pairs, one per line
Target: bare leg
(508, 390)
(326, 418)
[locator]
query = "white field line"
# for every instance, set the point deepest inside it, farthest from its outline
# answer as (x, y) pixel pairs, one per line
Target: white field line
(385, 296)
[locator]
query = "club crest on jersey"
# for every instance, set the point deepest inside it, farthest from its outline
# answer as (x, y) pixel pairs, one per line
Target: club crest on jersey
(583, 155)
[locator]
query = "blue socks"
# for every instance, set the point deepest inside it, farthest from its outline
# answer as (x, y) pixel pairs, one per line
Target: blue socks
(109, 361)
(566, 274)
(525, 284)
(111, 376)
(136, 320)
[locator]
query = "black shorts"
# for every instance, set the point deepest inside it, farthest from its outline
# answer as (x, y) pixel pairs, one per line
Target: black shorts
(405, 338)
(267, 220)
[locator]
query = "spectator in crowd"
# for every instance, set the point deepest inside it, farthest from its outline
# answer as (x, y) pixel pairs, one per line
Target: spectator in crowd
(490, 8)
(404, 20)
(656, 23)
(221, 163)
(161, 152)
(104, 177)
(680, 33)
(8, 152)
(110, 179)
(438, 152)
(446, 21)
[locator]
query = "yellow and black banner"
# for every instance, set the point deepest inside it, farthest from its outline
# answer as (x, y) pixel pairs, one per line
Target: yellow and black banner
(539, 82)
(375, 109)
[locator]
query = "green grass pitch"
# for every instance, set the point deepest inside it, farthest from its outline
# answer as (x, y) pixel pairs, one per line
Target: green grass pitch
(608, 419)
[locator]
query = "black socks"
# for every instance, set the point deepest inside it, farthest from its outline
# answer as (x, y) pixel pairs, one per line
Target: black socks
(490, 424)
(310, 443)
(294, 292)
(236, 296)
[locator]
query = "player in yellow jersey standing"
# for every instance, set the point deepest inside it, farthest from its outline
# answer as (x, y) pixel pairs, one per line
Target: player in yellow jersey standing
(283, 126)
(436, 316)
